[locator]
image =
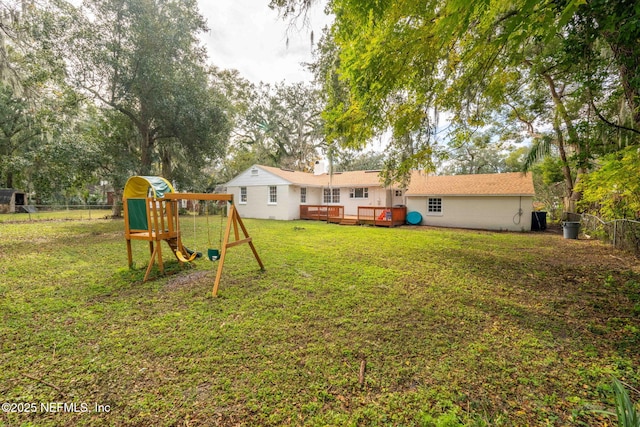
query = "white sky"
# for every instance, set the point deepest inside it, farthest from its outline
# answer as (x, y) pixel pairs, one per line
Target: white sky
(248, 36)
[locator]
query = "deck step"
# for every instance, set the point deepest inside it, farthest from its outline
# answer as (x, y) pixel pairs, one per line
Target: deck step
(349, 221)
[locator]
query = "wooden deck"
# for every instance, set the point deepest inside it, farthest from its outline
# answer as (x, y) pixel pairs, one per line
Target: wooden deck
(320, 212)
(378, 216)
(382, 216)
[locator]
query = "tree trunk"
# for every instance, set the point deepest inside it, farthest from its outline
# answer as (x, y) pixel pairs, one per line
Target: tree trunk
(146, 149)
(116, 209)
(628, 65)
(166, 165)
(561, 114)
(566, 170)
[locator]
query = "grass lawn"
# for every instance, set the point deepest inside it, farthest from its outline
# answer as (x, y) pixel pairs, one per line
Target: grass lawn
(85, 213)
(347, 326)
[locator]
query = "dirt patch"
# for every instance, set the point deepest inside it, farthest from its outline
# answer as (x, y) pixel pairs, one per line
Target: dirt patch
(185, 280)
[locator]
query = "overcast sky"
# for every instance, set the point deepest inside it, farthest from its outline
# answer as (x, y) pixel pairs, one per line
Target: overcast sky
(248, 36)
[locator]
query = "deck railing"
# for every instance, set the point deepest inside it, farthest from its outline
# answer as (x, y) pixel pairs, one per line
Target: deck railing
(379, 215)
(336, 214)
(321, 212)
(382, 216)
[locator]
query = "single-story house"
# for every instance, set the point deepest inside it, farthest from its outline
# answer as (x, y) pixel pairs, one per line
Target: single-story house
(274, 193)
(502, 201)
(486, 201)
(12, 200)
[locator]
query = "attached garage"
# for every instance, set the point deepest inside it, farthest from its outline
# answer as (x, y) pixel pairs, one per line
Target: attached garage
(485, 201)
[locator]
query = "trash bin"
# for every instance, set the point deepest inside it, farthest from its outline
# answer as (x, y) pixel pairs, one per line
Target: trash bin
(538, 221)
(570, 229)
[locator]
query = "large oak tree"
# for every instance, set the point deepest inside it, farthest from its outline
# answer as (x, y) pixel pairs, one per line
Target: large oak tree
(556, 72)
(143, 59)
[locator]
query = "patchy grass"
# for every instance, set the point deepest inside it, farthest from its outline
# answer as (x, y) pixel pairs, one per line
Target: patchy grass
(77, 213)
(452, 328)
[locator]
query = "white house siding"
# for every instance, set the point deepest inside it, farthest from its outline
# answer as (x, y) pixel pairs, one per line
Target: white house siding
(351, 205)
(288, 206)
(258, 206)
(480, 212)
(397, 199)
(257, 182)
(377, 197)
(314, 196)
(293, 202)
(254, 204)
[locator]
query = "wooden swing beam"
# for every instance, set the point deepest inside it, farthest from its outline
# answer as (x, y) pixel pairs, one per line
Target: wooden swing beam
(233, 221)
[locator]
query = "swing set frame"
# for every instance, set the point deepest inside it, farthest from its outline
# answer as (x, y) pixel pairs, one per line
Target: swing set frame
(234, 221)
(162, 223)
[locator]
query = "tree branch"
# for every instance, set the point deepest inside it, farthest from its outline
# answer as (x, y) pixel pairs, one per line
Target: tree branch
(601, 117)
(528, 124)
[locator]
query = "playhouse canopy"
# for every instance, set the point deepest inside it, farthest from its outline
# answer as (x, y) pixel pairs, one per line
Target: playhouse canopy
(139, 186)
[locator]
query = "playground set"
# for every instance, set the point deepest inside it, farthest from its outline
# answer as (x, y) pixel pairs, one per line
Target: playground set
(151, 213)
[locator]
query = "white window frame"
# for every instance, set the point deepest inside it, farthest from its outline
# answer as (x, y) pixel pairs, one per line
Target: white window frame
(434, 206)
(398, 193)
(303, 194)
(364, 193)
(273, 195)
(243, 195)
(331, 195)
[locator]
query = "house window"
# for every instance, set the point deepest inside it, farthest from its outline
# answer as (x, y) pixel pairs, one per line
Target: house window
(303, 195)
(359, 193)
(243, 194)
(398, 193)
(331, 195)
(273, 194)
(327, 196)
(434, 205)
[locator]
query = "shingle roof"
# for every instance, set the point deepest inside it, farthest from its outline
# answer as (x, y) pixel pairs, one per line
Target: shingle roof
(512, 184)
(354, 178)
(294, 177)
(339, 179)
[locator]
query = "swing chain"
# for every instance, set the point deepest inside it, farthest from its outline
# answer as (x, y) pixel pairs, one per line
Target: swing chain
(212, 254)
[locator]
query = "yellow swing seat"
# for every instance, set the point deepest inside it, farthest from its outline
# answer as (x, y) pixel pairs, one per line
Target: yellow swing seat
(184, 259)
(191, 255)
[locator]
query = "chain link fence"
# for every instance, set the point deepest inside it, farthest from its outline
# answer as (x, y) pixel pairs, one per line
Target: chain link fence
(58, 212)
(621, 233)
(64, 212)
